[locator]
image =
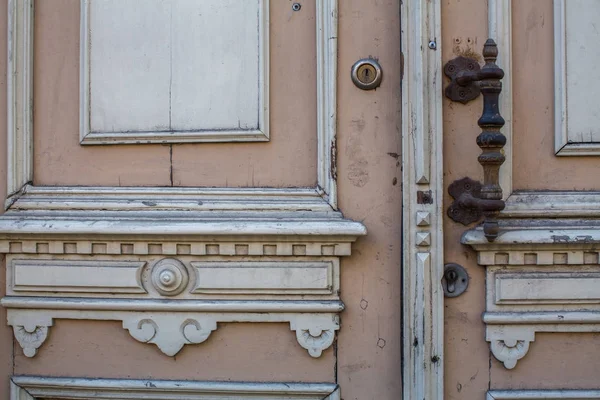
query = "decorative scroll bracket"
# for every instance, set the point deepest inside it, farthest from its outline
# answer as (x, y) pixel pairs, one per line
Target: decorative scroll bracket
(315, 326)
(472, 199)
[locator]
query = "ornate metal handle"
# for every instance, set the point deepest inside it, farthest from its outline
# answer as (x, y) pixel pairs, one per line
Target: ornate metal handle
(472, 199)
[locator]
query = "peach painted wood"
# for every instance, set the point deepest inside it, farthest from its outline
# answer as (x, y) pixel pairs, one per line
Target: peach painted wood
(288, 160)
(233, 347)
(290, 157)
(466, 360)
(58, 157)
(369, 182)
(535, 165)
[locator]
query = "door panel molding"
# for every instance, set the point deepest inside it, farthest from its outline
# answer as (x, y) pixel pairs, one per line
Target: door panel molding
(581, 394)
(422, 132)
(173, 135)
(38, 387)
(115, 226)
(20, 100)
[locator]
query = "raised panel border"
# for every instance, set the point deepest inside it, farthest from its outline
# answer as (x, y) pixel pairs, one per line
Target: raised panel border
(198, 136)
(39, 387)
(541, 394)
(562, 145)
(20, 103)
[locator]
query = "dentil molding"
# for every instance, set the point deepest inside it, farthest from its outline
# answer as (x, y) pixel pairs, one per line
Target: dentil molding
(169, 273)
(542, 275)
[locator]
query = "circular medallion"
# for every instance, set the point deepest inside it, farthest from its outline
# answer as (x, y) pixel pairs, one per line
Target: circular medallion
(169, 277)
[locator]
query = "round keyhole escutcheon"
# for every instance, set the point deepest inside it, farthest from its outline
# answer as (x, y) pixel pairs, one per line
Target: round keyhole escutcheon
(366, 74)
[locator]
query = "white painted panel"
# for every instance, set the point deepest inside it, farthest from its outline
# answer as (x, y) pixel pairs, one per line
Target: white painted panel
(77, 276)
(582, 20)
(547, 287)
(215, 63)
(174, 71)
(263, 277)
(129, 66)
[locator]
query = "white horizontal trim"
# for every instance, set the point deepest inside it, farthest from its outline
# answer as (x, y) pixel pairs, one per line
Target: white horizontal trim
(544, 317)
(209, 136)
(228, 306)
(530, 235)
(581, 394)
(552, 204)
(578, 149)
(169, 198)
(23, 225)
(37, 387)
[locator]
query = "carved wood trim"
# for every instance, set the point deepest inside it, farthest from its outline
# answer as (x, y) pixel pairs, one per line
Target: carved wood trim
(19, 85)
(422, 133)
(541, 394)
(38, 387)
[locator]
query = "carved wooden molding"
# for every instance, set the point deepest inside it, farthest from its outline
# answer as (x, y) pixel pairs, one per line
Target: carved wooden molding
(580, 394)
(48, 230)
(170, 326)
(20, 95)
(37, 387)
(564, 142)
(261, 133)
(423, 247)
(540, 273)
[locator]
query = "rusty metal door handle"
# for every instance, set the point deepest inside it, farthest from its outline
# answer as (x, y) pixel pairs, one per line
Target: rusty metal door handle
(471, 198)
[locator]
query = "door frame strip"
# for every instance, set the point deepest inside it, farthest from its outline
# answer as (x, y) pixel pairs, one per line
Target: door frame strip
(422, 159)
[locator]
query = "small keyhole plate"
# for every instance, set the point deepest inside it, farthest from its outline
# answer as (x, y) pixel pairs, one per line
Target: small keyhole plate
(461, 281)
(366, 74)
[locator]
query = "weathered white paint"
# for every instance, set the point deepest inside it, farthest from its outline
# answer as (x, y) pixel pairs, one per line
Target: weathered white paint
(32, 388)
(547, 288)
(552, 204)
(576, 65)
(263, 277)
(171, 83)
(580, 394)
(102, 276)
(20, 157)
(422, 132)
(327, 53)
(19, 88)
(540, 276)
(171, 325)
(500, 29)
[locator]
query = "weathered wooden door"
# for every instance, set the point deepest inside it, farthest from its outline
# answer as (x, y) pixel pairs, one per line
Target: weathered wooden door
(527, 326)
(185, 181)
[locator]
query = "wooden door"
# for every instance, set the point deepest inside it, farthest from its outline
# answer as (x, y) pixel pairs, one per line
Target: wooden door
(527, 325)
(185, 183)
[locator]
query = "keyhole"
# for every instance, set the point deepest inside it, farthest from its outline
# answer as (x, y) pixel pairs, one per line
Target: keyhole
(451, 277)
(366, 74)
